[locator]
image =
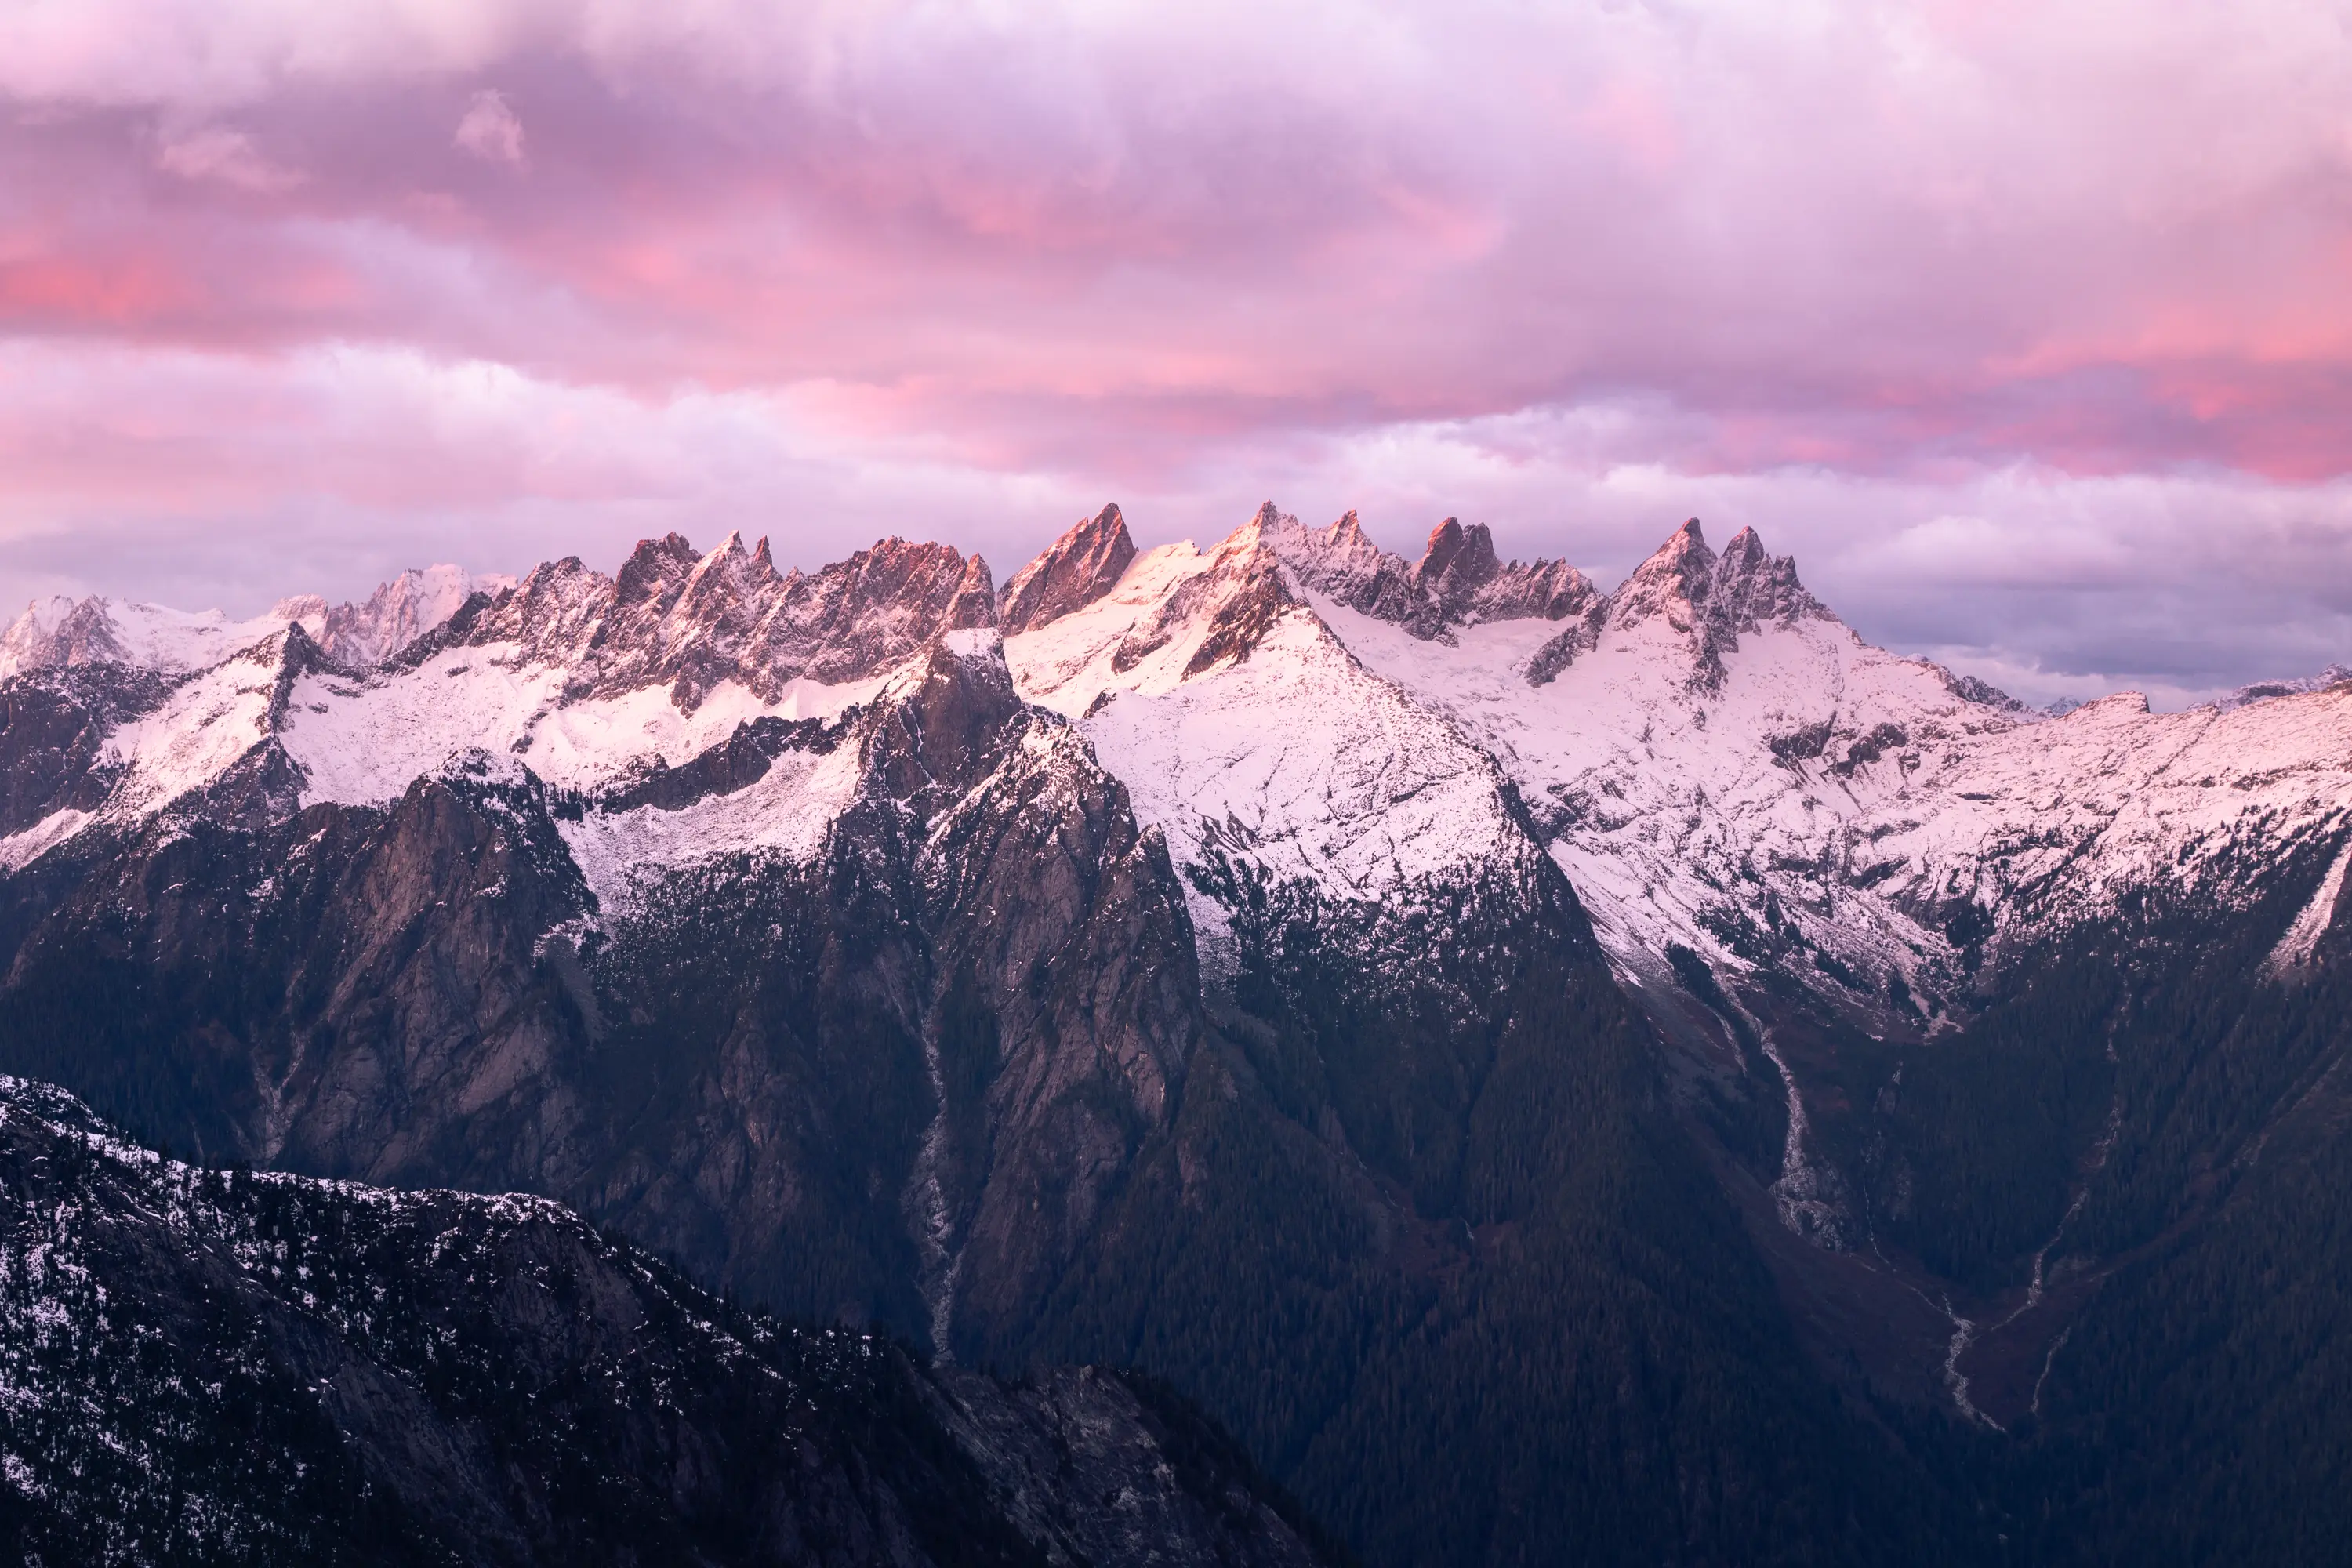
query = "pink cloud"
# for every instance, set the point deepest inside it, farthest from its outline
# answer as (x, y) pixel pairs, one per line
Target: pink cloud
(215, 152)
(1632, 117)
(489, 130)
(889, 206)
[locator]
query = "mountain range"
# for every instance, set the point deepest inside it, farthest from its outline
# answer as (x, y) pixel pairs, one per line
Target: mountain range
(1639, 1074)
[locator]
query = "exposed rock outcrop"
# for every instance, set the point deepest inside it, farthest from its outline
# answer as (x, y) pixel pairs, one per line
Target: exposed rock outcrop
(1078, 569)
(676, 618)
(1458, 581)
(54, 729)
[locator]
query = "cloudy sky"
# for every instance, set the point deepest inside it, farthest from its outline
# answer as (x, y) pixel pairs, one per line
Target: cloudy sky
(2026, 327)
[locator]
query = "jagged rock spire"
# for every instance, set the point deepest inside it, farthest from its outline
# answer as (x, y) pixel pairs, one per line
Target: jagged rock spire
(1753, 588)
(1740, 590)
(1677, 574)
(655, 570)
(689, 620)
(1456, 560)
(1075, 571)
(1708, 599)
(1460, 580)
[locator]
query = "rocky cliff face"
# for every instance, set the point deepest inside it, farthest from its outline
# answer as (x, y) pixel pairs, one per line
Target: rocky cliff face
(678, 618)
(210, 1366)
(58, 725)
(1457, 582)
(1082, 567)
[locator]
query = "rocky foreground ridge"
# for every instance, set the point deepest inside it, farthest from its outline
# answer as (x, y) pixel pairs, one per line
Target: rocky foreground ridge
(1387, 998)
(209, 1365)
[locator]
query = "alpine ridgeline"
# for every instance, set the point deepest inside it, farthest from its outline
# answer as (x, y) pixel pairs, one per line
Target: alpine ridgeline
(1640, 1073)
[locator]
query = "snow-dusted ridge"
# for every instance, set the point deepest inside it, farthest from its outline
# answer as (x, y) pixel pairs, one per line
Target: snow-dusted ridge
(62, 632)
(59, 632)
(593, 681)
(1708, 734)
(1712, 757)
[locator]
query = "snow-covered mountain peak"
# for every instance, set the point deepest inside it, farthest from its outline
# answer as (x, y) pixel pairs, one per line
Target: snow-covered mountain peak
(1715, 759)
(654, 572)
(1213, 689)
(692, 622)
(590, 681)
(728, 571)
(1686, 597)
(409, 606)
(1752, 587)
(1719, 596)
(62, 633)
(1673, 580)
(1078, 569)
(1340, 560)
(307, 610)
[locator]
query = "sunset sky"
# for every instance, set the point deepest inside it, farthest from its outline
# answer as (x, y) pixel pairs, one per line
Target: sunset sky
(2027, 328)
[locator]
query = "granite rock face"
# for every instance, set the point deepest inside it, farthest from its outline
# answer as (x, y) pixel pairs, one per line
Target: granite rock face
(1080, 568)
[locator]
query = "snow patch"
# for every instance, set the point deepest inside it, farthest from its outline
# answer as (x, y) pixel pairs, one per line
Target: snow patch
(19, 850)
(973, 642)
(785, 814)
(2302, 938)
(205, 728)
(362, 742)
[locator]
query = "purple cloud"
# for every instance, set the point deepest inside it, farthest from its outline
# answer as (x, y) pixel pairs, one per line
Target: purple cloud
(489, 130)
